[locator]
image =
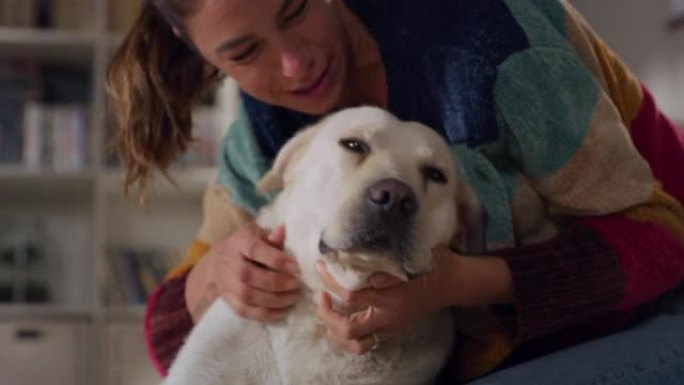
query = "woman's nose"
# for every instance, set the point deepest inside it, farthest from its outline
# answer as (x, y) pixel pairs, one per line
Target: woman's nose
(296, 62)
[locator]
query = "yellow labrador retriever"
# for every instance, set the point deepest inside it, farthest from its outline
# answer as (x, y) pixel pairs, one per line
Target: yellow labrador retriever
(365, 193)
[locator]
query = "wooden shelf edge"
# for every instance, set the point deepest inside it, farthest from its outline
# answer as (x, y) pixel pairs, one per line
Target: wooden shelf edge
(188, 180)
(36, 36)
(24, 173)
(43, 312)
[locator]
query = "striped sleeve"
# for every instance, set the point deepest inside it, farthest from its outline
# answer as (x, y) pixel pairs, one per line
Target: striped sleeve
(660, 219)
(167, 322)
(625, 242)
(655, 136)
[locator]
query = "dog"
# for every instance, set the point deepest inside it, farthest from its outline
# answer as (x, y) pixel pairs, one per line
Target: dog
(365, 193)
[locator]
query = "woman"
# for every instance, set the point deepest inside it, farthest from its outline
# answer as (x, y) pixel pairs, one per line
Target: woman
(537, 109)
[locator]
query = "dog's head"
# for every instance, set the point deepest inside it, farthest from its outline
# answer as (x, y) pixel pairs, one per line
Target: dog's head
(366, 193)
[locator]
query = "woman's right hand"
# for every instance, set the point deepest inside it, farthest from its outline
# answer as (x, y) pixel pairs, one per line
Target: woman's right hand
(249, 270)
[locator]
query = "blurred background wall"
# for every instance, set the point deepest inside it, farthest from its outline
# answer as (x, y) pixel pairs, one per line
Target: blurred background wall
(649, 36)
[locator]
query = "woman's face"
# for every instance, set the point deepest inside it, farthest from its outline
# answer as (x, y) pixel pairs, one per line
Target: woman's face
(291, 53)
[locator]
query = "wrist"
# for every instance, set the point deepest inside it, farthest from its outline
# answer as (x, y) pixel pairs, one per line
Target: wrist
(197, 296)
(482, 281)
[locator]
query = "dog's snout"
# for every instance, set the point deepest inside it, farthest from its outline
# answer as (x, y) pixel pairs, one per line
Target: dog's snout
(393, 196)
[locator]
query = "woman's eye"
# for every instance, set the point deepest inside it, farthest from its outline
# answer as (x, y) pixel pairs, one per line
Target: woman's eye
(246, 53)
(296, 13)
(434, 174)
(355, 145)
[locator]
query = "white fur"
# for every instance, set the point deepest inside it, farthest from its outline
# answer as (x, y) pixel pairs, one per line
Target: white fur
(322, 186)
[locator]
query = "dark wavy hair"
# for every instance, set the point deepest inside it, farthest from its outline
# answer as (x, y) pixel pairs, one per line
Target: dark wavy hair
(154, 80)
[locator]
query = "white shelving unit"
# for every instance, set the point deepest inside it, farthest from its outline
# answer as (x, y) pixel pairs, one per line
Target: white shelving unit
(83, 213)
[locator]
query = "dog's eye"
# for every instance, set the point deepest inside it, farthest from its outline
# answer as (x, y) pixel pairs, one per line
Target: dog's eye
(434, 174)
(355, 145)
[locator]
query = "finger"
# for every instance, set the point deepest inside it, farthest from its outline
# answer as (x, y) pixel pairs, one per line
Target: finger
(277, 237)
(328, 315)
(359, 347)
(329, 281)
(263, 315)
(259, 298)
(383, 281)
(258, 277)
(349, 327)
(254, 229)
(261, 252)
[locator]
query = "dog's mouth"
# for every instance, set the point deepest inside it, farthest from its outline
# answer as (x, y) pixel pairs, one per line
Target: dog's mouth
(374, 234)
(372, 255)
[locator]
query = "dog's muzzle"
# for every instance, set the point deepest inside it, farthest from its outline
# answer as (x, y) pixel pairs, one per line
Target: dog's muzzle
(382, 223)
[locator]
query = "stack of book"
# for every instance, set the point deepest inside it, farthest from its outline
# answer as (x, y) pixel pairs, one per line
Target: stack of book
(18, 85)
(57, 14)
(54, 136)
(43, 117)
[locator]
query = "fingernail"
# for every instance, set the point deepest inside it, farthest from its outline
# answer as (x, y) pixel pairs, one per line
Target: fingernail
(320, 266)
(275, 234)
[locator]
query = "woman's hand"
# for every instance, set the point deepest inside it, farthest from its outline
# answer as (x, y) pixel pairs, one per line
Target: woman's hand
(249, 270)
(390, 304)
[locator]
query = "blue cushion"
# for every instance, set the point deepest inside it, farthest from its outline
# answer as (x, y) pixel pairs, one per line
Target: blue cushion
(649, 353)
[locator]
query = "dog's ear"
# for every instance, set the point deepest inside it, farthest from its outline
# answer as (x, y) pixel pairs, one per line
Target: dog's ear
(470, 219)
(287, 157)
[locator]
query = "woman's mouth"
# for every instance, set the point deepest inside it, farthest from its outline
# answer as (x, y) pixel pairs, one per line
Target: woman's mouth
(319, 87)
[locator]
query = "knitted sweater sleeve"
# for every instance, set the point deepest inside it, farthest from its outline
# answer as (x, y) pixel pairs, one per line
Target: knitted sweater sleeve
(625, 242)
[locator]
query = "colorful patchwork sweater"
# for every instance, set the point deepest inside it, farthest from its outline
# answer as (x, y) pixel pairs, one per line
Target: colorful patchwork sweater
(579, 174)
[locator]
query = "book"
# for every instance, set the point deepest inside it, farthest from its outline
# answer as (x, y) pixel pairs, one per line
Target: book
(18, 13)
(134, 273)
(73, 15)
(33, 134)
(18, 86)
(122, 14)
(54, 136)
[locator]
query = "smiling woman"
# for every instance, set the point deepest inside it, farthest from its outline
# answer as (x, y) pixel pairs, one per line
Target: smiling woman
(529, 100)
(306, 55)
(290, 53)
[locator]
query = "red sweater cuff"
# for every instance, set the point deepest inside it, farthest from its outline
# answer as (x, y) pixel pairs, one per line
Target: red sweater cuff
(167, 322)
(562, 282)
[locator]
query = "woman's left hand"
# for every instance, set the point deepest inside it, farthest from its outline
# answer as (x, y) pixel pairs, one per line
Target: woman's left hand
(388, 304)
(455, 280)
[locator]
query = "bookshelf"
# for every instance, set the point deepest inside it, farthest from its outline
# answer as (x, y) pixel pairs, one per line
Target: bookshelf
(75, 206)
(48, 46)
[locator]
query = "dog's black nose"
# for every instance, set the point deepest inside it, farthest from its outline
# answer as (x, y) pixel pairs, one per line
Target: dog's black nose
(393, 196)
